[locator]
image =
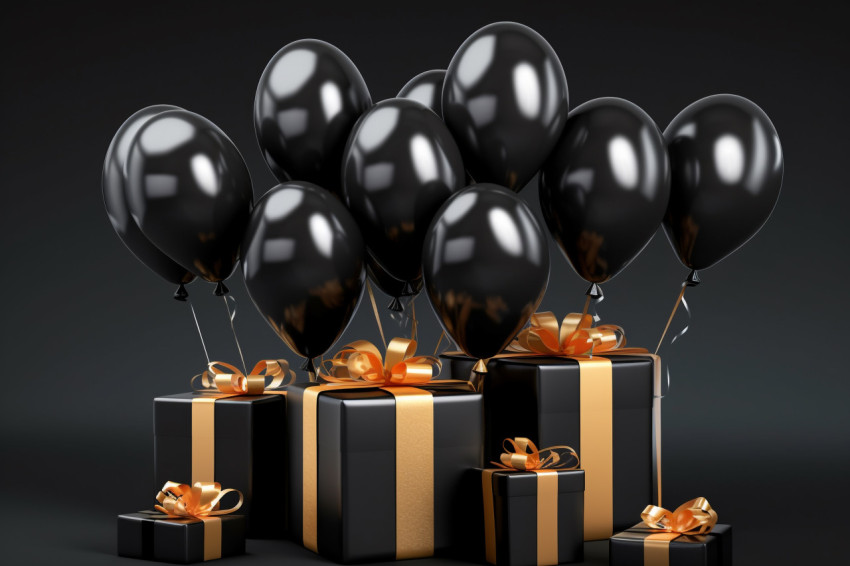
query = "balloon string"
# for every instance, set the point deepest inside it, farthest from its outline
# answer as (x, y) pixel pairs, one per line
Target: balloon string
(679, 300)
(414, 333)
(375, 310)
(231, 316)
(440, 341)
(198, 327)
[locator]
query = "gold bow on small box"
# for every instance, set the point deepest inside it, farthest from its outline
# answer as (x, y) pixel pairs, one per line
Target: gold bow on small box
(575, 336)
(694, 517)
(523, 455)
(199, 501)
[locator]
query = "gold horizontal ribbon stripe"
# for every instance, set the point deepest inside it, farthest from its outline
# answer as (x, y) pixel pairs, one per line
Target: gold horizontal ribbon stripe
(596, 441)
(547, 517)
(414, 472)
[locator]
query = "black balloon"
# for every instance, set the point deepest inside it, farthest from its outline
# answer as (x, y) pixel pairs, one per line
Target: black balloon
(505, 100)
(605, 187)
(308, 99)
(400, 166)
(303, 264)
(426, 88)
(113, 184)
(727, 166)
(190, 192)
(486, 266)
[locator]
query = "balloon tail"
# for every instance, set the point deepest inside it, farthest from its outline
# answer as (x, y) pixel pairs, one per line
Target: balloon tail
(197, 326)
(181, 294)
(310, 368)
(395, 305)
(375, 310)
(221, 289)
(232, 315)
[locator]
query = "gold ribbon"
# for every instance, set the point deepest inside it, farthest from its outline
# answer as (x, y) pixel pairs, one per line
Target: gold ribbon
(692, 518)
(199, 501)
(217, 383)
(360, 365)
(577, 339)
(521, 454)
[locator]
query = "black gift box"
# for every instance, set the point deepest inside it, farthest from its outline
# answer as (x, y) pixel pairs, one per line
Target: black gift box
(713, 549)
(148, 535)
(515, 517)
(356, 463)
(539, 398)
(250, 453)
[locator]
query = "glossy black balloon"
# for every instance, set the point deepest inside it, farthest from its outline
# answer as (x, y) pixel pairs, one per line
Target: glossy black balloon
(401, 164)
(727, 166)
(190, 192)
(426, 88)
(113, 185)
(486, 266)
(605, 187)
(505, 100)
(308, 99)
(303, 264)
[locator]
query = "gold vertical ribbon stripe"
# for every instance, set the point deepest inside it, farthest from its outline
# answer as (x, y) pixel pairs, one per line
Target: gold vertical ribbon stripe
(201, 502)
(597, 441)
(521, 455)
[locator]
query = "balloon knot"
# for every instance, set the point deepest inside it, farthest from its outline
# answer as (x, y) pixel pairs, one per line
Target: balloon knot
(181, 294)
(594, 291)
(693, 279)
(221, 289)
(395, 305)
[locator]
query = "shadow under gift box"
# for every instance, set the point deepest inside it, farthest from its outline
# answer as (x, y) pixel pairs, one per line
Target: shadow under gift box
(515, 516)
(714, 549)
(356, 463)
(540, 398)
(249, 452)
(148, 536)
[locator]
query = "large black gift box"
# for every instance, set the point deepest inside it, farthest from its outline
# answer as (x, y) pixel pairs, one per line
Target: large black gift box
(249, 452)
(714, 549)
(148, 535)
(356, 471)
(540, 398)
(515, 511)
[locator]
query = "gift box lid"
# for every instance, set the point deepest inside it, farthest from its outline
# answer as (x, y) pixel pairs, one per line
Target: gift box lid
(524, 484)
(173, 414)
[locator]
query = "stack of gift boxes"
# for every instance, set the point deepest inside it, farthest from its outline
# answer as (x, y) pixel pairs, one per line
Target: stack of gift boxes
(362, 472)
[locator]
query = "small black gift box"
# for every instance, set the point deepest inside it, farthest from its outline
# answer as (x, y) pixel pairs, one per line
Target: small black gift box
(238, 441)
(642, 546)
(532, 519)
(601, 406)
(383, 473)
(152, 536)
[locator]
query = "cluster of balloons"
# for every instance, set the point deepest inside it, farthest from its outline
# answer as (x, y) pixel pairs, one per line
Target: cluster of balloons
(420, 191)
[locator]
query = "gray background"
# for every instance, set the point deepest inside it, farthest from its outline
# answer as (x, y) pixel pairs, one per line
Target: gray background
(757, 416)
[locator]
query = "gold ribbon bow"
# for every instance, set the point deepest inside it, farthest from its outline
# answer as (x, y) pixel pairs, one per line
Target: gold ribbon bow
(180, 501)
(694, 517)
(361, 361)
(234, 382)
(575, 336)
(523, 455)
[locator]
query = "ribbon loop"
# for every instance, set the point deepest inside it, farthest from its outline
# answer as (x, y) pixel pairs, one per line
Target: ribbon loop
(694, 517)
(361, 361)
(228, 379)
(179, 500)
(522, 454)
(575, 336)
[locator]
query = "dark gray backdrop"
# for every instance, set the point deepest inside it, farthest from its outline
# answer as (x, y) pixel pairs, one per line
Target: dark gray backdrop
(757, 417)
